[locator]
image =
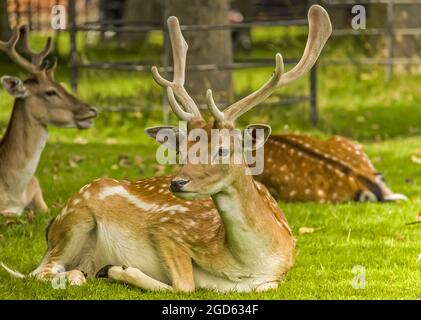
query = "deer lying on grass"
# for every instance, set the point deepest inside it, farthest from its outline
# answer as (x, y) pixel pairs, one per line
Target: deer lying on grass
(39, 101)
(221, 230)
(302, 168)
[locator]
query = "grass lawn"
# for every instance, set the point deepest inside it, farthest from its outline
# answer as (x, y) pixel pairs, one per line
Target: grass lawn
(354, 102)
(371, 235)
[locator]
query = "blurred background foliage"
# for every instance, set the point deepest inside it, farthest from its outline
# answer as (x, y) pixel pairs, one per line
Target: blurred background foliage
(354, 99)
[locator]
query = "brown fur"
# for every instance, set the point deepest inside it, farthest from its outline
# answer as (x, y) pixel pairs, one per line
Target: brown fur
(304, 168)
(39, 101)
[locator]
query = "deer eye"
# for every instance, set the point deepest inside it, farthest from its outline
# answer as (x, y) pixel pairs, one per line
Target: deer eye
(222, 152)
(51, 93)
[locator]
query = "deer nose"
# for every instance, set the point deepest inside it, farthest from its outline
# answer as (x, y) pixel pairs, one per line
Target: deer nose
(93, 110)
(177, 185)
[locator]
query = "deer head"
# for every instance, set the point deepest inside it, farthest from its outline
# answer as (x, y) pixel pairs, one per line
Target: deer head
(205, 179)
(42, 96)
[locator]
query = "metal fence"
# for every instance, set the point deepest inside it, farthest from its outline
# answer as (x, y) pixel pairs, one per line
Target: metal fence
(389, 31)
(110, 25)
(83, 16)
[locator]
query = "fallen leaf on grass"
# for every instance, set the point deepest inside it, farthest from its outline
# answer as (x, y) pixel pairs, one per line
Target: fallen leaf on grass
(306, 230)
(75, 160)
(80, 140)
(124, 161)
(415, 159)
(111, 141)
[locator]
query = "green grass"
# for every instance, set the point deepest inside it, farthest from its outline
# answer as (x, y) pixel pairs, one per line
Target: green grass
(372, 235)
(354, 101)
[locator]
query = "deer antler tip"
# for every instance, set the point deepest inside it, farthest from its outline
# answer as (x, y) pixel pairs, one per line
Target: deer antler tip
(279, 68)
(172, 20)
(317, 11)
(315, 8)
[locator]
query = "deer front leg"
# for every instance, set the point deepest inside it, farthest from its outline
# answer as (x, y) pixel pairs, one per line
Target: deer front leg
(35, 197)
(49, 271)
(178, 264)
(132, 276)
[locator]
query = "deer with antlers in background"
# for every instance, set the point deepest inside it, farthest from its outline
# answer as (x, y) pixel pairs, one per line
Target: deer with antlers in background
(303, 168)
(39, 101)
(217, 228)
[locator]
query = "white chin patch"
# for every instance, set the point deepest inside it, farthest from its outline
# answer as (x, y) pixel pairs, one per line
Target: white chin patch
(84, 124)
(64, 126)
(396, 197)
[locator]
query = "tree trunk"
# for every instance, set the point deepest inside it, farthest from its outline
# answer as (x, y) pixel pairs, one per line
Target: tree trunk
(4, 21)
(206, 47)
(145, 11)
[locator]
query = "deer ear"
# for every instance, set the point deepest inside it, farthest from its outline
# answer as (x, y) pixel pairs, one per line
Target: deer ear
(14, 86)
(170, 136)
(255, 136)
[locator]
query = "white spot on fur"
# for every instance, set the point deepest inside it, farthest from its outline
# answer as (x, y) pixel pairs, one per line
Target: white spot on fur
(134, 200)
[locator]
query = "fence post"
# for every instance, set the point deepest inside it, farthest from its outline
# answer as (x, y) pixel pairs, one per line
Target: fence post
(17, 8)
(314, 117)
(39, 15)
(73, 45)
(390, 40)
(29, 14)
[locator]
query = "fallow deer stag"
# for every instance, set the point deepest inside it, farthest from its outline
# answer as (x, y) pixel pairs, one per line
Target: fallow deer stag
(303, 168)
(39, 101)
(218, 229)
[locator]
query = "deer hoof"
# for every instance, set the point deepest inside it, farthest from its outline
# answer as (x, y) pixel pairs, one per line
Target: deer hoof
(103, 272)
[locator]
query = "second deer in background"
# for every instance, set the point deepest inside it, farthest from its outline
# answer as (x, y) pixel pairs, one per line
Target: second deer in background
(304, 168)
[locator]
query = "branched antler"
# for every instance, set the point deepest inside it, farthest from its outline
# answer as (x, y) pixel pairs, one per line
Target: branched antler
(320, 29)
(34, 67)
(175, 88)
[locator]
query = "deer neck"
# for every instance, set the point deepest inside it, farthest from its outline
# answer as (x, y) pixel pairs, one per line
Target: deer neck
(21, 148)
(249, 220)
